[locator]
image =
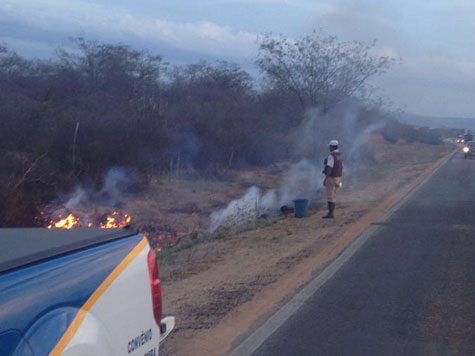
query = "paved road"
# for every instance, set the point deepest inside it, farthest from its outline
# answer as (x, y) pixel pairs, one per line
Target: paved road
(410, 290)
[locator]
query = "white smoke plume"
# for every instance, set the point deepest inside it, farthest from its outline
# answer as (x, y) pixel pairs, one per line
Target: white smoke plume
(81, 201)
(303, 179)
(248, 208)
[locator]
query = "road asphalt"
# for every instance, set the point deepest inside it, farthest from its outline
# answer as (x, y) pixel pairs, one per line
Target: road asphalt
(409, 290)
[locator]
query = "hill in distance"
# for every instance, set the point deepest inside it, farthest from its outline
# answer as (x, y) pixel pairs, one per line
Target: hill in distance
(438, 122)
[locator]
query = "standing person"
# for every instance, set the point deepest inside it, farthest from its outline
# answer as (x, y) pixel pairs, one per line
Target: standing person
(333, 172)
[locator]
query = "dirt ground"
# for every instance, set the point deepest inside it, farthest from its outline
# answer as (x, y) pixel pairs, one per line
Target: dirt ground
(220, 286)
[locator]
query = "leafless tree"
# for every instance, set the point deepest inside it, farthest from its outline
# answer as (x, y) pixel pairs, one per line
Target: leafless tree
(319, 70)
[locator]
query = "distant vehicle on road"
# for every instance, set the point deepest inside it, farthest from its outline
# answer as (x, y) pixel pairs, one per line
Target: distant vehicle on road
(79, 292)
(459, 139)
(469, 149)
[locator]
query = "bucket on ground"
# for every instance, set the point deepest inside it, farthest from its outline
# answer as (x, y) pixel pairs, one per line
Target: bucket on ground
(301, 208)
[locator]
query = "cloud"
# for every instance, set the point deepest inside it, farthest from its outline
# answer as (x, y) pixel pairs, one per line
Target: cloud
(78, 16)
(435, 85)
(437, 72)
(442, 71)
(270, 2)
(321, 5)
(359, 21)
(385, 51)
(33, 48)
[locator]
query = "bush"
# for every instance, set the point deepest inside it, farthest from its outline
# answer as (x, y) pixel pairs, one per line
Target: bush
(394, 131)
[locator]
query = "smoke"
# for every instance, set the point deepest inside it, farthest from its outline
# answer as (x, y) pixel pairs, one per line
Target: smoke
(248, 208)
(185, 147)
(300, 182)
(82, 201)
(304, 179)
(357, 152)
(114, 189)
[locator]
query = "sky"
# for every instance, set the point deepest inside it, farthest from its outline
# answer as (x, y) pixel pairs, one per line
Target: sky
(432, 40)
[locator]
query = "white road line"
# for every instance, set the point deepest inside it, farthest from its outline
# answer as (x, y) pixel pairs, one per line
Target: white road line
(257, 338)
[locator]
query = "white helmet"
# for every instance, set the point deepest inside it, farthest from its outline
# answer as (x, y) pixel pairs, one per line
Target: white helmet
(333, 143)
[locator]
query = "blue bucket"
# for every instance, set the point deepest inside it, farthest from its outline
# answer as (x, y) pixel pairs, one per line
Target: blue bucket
(301, 208)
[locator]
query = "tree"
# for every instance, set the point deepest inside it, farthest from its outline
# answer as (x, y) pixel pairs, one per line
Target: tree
(213, 102)
(319, 70)
(113, 92)
(111, 66)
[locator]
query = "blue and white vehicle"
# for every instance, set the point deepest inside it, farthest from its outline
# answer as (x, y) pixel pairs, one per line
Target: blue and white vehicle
(79, 292)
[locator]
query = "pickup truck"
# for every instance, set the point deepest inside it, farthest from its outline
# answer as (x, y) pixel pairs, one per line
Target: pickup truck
(79, 292)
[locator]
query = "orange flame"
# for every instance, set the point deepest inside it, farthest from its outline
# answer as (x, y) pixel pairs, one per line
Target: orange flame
(67, 223)
(116, 220)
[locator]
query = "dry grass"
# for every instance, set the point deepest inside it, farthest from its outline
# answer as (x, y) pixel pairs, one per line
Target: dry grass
(182, 205)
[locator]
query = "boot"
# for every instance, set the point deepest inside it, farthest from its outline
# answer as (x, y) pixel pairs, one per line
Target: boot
(331, 209)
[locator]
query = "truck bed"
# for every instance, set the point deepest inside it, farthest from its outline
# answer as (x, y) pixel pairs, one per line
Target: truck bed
(22, 246)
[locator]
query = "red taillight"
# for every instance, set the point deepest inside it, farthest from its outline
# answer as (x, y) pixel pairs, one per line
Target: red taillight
(155, 286)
